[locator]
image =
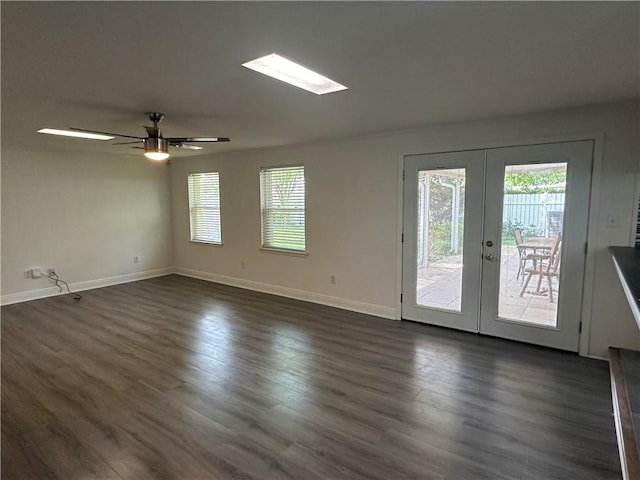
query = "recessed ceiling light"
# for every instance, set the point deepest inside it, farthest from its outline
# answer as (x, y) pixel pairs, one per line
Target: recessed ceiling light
(71, 133)
(282, 69)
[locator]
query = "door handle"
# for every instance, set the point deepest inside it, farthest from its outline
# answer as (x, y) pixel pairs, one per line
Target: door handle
(490, 256)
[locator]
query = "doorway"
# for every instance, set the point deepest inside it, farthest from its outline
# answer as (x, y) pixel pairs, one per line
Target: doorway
(494, 240)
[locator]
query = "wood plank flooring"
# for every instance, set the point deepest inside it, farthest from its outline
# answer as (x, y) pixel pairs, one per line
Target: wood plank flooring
(176, 378)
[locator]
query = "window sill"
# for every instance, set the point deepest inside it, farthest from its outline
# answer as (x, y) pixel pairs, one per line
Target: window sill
(209, 244)
(284, 251)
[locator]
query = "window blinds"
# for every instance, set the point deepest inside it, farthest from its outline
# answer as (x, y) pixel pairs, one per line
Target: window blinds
(204, 207)
(282, 201)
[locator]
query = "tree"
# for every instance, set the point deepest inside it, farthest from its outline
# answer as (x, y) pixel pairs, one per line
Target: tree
(552, 180)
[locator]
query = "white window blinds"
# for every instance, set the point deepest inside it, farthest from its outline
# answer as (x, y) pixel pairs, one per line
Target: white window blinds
(282, 205)
(204, 207)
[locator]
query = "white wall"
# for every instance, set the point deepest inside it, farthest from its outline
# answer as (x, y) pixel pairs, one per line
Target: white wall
(351, 207)
(353, 214)
(85, 215)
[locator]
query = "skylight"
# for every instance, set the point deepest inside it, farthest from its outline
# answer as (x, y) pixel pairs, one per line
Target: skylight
(71, 133)
(290, 72)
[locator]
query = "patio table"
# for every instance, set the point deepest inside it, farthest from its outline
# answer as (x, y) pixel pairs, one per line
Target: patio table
(537, 243)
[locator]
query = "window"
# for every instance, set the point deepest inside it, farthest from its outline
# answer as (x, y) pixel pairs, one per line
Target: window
(204, 207)
(282, 206)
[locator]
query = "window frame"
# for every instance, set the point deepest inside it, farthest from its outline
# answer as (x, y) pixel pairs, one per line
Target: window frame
(270, 247)
(192, 206)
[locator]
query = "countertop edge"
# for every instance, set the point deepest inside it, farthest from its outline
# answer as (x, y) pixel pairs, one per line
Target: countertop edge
(628, 276)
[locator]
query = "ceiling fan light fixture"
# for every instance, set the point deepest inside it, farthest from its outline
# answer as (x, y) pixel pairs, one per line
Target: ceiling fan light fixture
(156, 149)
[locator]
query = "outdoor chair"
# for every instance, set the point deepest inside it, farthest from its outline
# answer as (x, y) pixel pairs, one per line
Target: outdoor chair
(524, 254)
(544, 266)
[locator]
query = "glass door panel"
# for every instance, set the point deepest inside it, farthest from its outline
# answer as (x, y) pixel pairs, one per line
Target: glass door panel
(532, 221)
(440, 238)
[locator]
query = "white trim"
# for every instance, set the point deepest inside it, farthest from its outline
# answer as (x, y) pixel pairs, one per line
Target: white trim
(592, 241)
(400, 236)
(284, 251)
(597, 357)
(208, 244)
(81, 286)
(337, 302)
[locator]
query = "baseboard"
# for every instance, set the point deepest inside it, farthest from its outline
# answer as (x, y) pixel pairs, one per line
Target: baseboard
(80, 286)
(597, 357)
(337, 302)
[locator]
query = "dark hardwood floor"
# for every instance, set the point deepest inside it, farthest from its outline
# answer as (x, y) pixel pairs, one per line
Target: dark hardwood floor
(176, 378)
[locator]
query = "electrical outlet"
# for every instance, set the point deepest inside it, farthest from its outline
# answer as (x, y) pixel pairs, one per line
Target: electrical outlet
(242, 265)
(613, 221)
(52, 271)
(136, 259)
(36, 272)
(333, 280)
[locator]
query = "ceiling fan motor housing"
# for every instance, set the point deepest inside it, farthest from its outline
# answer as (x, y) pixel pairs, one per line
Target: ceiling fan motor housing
(156, 144)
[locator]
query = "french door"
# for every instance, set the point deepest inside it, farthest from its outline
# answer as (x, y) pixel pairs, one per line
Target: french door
(494, 240)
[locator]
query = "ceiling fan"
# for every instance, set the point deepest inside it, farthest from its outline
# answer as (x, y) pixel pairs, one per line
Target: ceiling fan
(156, 147)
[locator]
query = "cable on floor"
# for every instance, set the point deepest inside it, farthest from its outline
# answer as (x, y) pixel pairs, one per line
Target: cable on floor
(59, 283)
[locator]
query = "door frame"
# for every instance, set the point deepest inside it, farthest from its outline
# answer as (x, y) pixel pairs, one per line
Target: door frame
(594, 201)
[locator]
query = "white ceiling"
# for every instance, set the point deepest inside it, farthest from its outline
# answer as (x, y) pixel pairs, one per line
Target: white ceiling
(101, 65)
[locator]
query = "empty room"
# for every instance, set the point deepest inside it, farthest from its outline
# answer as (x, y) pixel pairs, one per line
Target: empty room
(320, 240)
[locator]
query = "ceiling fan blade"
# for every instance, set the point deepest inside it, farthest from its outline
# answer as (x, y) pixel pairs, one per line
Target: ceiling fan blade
(127, 143)
(186, 146)
(104, 133)
(197, 139)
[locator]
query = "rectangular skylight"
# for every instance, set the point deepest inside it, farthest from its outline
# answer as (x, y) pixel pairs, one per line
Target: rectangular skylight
(72, 133)
(290, 72)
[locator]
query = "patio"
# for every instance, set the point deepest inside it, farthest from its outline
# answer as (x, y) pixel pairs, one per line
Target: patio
(438, 286)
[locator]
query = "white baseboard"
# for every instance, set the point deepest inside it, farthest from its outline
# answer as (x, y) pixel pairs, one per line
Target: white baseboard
(342, 303)
(597, 357)
(80, 286)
